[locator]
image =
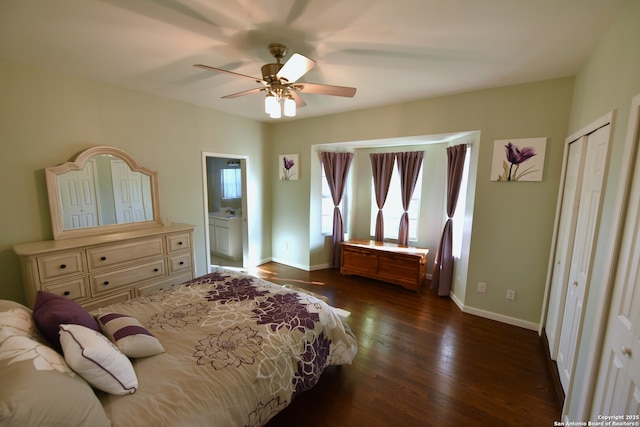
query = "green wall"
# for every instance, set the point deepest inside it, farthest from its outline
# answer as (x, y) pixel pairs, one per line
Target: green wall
(608, 82)
(512, 222)
(47, 118)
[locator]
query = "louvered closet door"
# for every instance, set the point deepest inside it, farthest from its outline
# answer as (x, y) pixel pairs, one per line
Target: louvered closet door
(581, 257)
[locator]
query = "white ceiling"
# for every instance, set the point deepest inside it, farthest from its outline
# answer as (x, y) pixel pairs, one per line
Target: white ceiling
(390, 50)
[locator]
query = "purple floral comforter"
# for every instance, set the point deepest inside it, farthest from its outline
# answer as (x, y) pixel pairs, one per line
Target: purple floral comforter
(238, 350)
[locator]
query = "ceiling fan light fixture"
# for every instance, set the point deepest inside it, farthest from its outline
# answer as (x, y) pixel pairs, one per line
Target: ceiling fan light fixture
(271, 104)
(278, 82)
(289, 106)
(276, 114)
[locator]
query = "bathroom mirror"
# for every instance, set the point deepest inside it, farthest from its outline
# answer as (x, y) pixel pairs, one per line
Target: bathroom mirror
(103, 190)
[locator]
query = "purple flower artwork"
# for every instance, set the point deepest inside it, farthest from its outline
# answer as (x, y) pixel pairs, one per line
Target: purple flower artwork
(518, 159)
(289, 167)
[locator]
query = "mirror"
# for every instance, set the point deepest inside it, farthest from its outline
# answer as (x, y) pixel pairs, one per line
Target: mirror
(103, 190)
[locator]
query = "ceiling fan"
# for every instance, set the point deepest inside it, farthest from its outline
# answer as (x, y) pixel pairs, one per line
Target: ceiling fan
(279, 82)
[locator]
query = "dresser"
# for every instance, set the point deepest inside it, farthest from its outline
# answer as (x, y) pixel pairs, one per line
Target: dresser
(108, 268)
(402, 265)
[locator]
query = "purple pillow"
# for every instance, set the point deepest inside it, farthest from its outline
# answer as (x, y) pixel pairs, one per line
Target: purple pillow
(51, 310)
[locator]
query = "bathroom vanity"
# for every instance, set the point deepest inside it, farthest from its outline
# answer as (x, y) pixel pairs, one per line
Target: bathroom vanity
(225, 235)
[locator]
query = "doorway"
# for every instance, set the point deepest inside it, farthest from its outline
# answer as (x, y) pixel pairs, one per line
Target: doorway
(225, 189)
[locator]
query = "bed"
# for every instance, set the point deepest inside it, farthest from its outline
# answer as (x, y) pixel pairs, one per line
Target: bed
(224, 349)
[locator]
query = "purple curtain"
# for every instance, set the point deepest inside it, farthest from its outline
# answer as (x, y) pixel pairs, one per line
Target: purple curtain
(442, 275)
(409, 164)
(336, 168)
(382, 169)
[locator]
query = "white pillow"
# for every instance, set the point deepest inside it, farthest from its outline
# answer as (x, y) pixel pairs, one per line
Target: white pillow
(97, 360)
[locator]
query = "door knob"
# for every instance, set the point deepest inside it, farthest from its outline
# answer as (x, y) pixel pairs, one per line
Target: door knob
(626, 351)
(575, 283)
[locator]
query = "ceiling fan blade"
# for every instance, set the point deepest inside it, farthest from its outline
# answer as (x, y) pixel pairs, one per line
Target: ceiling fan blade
(243, 93)
(299, 101)
(220, 70)
(296, 67)
(320, 89)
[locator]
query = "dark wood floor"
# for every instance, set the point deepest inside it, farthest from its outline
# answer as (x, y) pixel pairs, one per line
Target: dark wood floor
(421, 362)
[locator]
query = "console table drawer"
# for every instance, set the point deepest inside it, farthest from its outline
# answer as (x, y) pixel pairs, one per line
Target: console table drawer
(58, 266)
(106, 256)
(105, 282)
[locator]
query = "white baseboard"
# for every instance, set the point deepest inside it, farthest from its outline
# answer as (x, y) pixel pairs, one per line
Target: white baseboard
(300, 266)
(495, 316)
(262, 261)
(291, 264)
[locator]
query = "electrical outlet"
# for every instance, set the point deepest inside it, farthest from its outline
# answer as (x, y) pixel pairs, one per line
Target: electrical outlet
(511, 294)
(482, 287)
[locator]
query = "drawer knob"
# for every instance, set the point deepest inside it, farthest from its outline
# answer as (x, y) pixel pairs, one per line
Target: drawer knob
(103, 258)
(63, 265)
(155, 269)
(66, 293)
(179, 243)
(106, 283)
(181, 262)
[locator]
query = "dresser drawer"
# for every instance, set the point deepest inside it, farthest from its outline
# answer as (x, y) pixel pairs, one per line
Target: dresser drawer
(75, 289)
(167, 283)
(108, 255)
(57, 266)
(179, 262)
(178, 242)
(105, 282)
(108, 300)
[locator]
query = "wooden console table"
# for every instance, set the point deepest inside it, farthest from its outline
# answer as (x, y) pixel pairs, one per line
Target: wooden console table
(402, 265)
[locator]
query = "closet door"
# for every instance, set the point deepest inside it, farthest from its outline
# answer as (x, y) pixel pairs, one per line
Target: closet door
(580, 268)
(617, 389)
(564, 243)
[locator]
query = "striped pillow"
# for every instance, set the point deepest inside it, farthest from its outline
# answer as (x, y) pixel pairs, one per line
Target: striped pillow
(129, 335)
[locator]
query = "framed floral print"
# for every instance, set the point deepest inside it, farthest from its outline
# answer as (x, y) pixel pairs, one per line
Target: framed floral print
(288, 165)
(518, 159)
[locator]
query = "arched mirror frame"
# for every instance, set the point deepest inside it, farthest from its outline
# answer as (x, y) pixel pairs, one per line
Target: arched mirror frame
(52, 173)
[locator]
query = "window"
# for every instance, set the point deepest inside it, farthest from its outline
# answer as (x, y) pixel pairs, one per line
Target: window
(327, 206)
(231, 183)
(392, 209)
